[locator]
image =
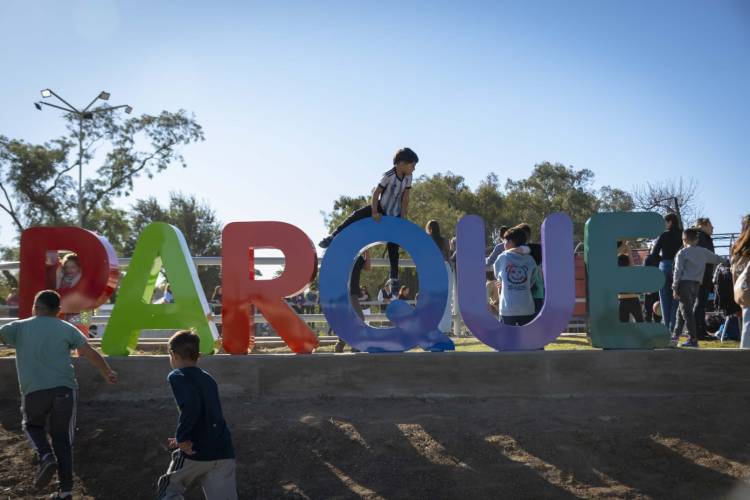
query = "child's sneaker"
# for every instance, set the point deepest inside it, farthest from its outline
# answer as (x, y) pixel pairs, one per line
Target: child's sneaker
(673, 342)
(325, 242)
(61, 495)
(689, 343)
(47, 468)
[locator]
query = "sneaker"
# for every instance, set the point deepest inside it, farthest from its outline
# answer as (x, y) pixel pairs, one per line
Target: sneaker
(325, 242)
(61, 494)
(689, 343)
(47, 468)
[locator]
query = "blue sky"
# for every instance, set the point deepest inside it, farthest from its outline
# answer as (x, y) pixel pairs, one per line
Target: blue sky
(304, 101)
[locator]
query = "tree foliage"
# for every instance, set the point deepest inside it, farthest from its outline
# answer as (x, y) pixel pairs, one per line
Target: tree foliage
(197, 221)
(38, 180)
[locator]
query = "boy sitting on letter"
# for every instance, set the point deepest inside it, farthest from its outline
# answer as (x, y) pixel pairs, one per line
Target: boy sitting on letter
(390, 197)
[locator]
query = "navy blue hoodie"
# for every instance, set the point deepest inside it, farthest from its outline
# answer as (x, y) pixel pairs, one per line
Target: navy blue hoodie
(201, 420)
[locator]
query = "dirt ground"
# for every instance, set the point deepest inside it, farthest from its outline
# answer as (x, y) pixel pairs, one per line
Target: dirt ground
(687, 447)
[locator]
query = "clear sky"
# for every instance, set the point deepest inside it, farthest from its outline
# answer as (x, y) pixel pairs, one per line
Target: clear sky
(304, 101)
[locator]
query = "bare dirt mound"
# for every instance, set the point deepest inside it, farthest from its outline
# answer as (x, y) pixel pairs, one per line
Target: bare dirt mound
(687, 447)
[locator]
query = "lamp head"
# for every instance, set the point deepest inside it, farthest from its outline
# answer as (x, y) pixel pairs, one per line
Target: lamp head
(46, 93)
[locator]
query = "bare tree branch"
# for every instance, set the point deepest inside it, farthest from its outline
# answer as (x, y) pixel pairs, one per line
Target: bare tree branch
(10, 210)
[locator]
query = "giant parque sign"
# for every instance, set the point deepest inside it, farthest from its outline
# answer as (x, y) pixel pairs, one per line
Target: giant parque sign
(162, 245)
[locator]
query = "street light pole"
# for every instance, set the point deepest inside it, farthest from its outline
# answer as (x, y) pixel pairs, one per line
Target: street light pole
(82, 115)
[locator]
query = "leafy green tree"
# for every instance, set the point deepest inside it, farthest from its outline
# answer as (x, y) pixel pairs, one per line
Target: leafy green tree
(37, 180)
(197, 221)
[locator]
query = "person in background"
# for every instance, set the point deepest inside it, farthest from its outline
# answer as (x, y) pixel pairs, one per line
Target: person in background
(167, 298)
(216, 298)
(403, 293)
(364, 299)
(705, 240)
(93, 331)
(48, 385)
(630, 304)
(537, 286)
(515, 274)
(385, 294)
(12, 302)
(361, 264)
(499, 247)
(651, 298)
(493, 293)
(666, 247)
(70, 271)
(68, 276)
(433, 229)
(690, 264)
(740, 258)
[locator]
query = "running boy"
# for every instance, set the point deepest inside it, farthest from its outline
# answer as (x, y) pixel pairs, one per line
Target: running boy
(690, 264)
(390, 197)
(204, 453)
(516, 273)
(48, 385)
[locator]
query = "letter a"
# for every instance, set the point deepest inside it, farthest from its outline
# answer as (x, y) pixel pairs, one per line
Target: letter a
(160, 244)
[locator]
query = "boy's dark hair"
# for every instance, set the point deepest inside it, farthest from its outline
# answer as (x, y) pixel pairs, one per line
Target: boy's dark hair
(623, 260)
(517, 235)
(49, 299)
(185, 344)
(691, 235)
(406, 155)
(702, 221)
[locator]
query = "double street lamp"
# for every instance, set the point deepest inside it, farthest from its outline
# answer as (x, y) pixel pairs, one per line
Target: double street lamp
(81, 114)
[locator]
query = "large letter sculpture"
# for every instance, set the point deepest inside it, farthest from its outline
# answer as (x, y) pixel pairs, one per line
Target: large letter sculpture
(606, 280)
(240, 290)
(416, 327)
(99, 268)
(559, 283)
(159, 245)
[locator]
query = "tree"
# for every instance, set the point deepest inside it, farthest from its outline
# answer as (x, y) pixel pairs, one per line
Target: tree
(678, 196)
(615, 200)
(37, 181)
(195, 219)
(552, 188)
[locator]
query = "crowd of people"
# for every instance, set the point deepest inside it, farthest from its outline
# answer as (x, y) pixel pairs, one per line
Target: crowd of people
(693, 274)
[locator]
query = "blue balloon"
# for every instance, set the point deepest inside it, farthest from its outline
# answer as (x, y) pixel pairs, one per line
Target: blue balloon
(414, 326)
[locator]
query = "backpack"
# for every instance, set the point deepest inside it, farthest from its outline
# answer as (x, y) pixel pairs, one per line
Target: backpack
(741, 285)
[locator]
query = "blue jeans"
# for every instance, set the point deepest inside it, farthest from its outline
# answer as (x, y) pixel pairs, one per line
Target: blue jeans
(666, 298)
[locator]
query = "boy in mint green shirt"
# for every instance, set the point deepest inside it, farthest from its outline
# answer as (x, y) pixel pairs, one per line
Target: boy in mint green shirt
(48, 385)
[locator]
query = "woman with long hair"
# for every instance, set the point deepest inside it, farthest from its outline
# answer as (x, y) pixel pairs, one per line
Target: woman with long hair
(666, 247)
(433, 229)
(740, 260)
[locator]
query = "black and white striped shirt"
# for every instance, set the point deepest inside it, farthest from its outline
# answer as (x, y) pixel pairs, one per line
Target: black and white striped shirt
(393, 191)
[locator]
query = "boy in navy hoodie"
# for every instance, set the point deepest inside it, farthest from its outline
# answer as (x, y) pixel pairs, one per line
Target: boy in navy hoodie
(203, 445)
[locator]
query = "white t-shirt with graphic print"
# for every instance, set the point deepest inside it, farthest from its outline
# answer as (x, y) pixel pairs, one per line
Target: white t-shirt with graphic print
(393, 191)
